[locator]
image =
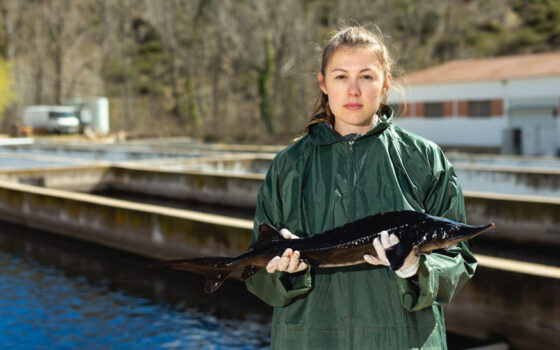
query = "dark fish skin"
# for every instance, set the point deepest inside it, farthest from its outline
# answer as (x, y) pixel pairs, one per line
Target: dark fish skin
(341, 246)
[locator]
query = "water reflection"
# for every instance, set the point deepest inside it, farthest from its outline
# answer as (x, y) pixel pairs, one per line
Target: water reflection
(60, 294)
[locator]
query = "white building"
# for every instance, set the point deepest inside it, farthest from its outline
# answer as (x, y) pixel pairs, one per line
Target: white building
(504, 104)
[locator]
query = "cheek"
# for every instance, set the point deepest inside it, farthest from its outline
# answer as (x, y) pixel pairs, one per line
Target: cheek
(335, 92)
(374, 91)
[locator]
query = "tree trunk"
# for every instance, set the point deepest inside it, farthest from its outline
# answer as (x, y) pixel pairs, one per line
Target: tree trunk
(58, 62)
(265, 77)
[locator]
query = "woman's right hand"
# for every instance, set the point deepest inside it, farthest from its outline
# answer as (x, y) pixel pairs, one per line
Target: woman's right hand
(289, 261)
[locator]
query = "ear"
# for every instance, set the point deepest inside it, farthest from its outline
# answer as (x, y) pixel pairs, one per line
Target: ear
(322, 84)
(387, 83)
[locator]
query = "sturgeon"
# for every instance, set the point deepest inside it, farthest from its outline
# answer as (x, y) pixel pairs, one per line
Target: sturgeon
(342, 246)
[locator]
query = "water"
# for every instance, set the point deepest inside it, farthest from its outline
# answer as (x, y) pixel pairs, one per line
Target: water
(60, 294)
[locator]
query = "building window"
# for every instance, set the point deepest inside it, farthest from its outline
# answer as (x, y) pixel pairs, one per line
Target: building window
(480, 108)
(433, 109)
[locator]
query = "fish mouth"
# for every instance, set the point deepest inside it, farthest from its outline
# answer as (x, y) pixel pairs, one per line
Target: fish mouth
(453, 242)
(481, 229)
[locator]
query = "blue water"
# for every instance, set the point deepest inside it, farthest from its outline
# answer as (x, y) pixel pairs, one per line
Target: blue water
(56, 296)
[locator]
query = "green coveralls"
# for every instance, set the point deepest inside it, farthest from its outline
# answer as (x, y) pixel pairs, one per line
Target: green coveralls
(323, 181)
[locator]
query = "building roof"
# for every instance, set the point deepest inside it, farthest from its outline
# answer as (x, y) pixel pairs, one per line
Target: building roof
(495, 68)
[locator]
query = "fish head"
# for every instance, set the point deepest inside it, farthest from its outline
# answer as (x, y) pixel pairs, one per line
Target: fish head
(446, 234)
(428, 235)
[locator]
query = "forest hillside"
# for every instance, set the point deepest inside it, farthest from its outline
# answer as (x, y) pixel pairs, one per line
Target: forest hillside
(232, 70)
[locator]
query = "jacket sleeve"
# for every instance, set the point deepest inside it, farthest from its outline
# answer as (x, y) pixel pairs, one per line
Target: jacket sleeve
(444, 272)
(275, 289)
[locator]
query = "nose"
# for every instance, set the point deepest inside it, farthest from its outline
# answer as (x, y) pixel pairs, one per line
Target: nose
(354, 88)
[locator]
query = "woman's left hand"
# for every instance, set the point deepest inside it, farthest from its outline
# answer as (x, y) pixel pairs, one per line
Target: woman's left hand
(386, 241)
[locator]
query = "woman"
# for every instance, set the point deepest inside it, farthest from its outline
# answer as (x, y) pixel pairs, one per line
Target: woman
(351, 163)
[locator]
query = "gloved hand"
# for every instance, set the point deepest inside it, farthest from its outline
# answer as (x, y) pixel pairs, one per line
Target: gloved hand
(410, 265)
(386, 241)
(289, 261)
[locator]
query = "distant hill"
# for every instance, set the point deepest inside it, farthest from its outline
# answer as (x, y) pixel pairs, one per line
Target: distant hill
(236, 70)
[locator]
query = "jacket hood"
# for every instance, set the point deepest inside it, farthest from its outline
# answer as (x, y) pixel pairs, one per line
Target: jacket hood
(321, 134)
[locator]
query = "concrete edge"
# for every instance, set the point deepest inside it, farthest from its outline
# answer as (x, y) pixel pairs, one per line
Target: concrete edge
(57, 168)
(518, 266)
(88, 198)
(52, 158)
(511, 197)
(225, 174)
(508, 169)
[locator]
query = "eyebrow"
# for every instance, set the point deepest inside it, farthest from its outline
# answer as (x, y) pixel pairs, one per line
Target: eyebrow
(344, 70)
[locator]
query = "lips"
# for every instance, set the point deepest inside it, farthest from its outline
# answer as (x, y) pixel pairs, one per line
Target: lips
(353, 106)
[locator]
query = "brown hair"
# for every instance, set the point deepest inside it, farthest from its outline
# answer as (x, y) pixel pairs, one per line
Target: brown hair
(349, 37)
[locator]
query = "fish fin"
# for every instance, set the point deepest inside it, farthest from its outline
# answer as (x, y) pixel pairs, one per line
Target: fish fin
(398, 254)
(249, 271)
(215, 269)
(214, 281)
(267, 234)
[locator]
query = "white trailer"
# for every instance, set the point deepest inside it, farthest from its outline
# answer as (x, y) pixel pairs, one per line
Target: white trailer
(59, 119)
(92, 112)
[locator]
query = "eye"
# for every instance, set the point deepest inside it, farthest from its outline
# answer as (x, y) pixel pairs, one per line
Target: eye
(367, 77)
(340, 77)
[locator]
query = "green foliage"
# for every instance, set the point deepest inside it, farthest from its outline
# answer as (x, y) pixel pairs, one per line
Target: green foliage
(540, 29)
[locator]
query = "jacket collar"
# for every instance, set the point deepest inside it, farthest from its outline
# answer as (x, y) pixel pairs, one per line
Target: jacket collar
(321, 134)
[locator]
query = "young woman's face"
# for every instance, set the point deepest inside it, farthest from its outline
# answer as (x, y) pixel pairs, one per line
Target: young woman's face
(355, 83)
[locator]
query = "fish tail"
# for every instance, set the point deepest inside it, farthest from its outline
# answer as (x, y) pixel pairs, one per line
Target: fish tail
(215, 269)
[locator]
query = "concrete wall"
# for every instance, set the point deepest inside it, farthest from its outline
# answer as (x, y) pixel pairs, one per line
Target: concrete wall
(240, 190)
(238, 166)
(72, 178)
(148, 230)
(520, 219)
(509, 180)
(499, 305)
(224, 163)
(215, 188)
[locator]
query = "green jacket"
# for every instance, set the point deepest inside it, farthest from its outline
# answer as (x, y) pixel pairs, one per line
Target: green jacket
(323, 181)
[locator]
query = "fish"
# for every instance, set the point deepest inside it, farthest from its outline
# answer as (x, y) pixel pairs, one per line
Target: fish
(341, 246)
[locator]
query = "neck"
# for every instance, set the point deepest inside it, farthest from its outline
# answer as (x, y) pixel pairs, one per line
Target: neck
(346, 129)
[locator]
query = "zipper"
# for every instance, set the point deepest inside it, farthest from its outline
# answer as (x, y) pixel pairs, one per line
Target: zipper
(352, 181)
(352, 217)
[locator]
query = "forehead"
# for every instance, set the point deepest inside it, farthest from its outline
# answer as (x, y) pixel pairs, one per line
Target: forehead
(358, 58)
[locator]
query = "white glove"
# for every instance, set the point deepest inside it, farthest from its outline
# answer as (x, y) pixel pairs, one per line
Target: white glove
(386, 241)
(289, 261)
(410, 265)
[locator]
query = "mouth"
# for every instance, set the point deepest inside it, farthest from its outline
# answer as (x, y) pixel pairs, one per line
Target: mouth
(353, 106)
